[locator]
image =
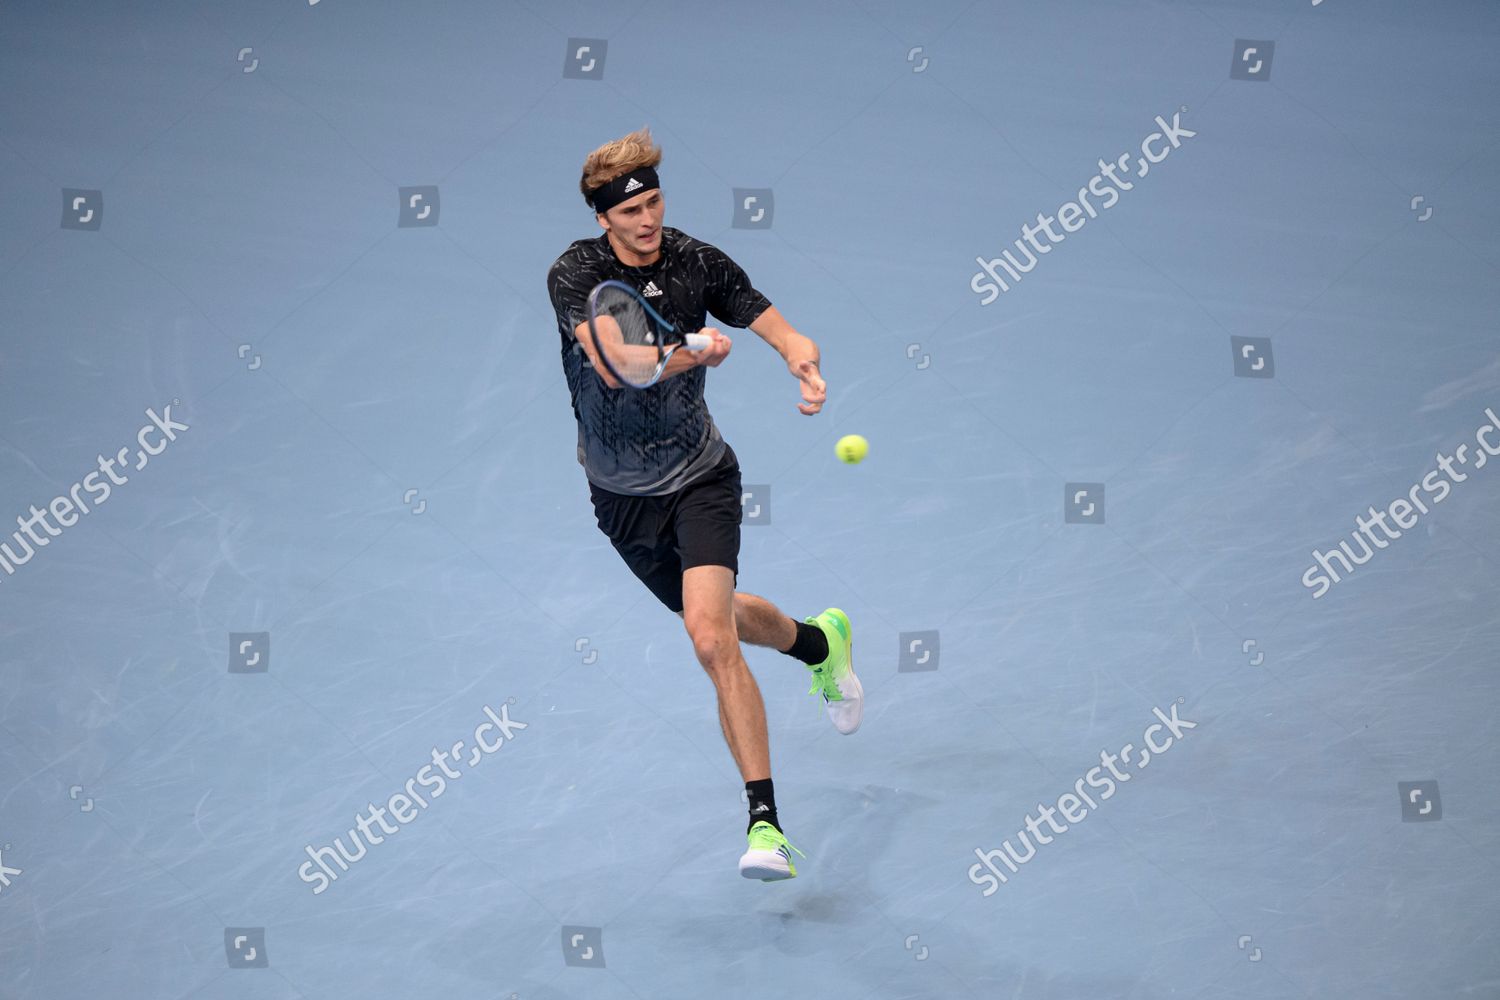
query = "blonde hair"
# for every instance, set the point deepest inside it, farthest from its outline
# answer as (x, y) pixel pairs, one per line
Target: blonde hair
(616, 159)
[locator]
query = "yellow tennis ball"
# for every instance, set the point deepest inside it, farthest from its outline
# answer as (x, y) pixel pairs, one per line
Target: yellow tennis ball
(852, 448)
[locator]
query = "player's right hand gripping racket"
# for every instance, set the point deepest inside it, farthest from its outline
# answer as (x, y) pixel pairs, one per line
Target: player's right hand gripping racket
(630, 338)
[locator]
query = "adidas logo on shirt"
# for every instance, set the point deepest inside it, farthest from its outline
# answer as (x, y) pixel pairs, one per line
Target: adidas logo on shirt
(651, 289)
(632, 184)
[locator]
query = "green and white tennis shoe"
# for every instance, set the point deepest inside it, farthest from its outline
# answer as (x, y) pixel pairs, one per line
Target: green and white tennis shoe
(769, 857)
(834, 678)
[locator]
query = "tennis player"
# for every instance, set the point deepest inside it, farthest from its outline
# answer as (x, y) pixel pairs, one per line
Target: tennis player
(664, 482)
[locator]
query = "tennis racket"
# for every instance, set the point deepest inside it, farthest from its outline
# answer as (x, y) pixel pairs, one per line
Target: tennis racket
(630, 338)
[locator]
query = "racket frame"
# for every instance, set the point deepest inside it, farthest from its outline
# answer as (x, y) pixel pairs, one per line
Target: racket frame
(666, 341)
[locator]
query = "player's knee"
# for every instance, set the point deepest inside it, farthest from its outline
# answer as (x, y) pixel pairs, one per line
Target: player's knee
(714, 642)
(713, 648)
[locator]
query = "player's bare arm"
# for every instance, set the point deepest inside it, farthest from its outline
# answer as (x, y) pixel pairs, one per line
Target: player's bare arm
(680, 361)
(800, 353)
(581, 333)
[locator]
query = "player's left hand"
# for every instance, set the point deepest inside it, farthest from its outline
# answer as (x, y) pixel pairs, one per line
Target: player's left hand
(814, 389)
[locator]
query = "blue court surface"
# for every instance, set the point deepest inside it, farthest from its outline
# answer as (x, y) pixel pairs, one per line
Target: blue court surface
(1172, 568)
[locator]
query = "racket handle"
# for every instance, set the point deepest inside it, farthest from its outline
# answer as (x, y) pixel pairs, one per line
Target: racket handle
(696, 341)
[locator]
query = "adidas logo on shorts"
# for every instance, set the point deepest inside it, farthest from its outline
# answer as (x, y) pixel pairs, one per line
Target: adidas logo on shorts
(632, 184)
(651, 289)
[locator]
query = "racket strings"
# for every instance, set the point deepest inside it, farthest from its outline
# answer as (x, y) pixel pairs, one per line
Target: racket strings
(635, 356)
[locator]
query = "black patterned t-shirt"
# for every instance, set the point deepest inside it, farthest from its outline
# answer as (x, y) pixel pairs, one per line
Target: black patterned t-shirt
(648, 442)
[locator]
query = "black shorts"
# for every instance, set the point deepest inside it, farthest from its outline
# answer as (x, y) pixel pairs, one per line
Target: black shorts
(659, 537)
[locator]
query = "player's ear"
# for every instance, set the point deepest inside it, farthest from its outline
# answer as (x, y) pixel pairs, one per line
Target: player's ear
(603, 222)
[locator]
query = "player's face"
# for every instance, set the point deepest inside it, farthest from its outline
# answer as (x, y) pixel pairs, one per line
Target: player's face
(636, 222)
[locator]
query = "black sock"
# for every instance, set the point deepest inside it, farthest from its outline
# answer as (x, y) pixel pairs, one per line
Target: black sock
(810, 646)
(762, 803)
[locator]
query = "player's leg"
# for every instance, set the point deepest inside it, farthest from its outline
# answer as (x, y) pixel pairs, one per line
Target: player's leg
(644, 530)
(761, 623)
(698, 528)
(708, 614)
(783, 639)
(824, 643)
(705, 519)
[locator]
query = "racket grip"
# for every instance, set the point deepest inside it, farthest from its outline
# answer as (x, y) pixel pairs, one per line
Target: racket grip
(696, 341)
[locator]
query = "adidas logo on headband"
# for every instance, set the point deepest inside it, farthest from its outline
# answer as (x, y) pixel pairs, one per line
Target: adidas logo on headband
(610, 194)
